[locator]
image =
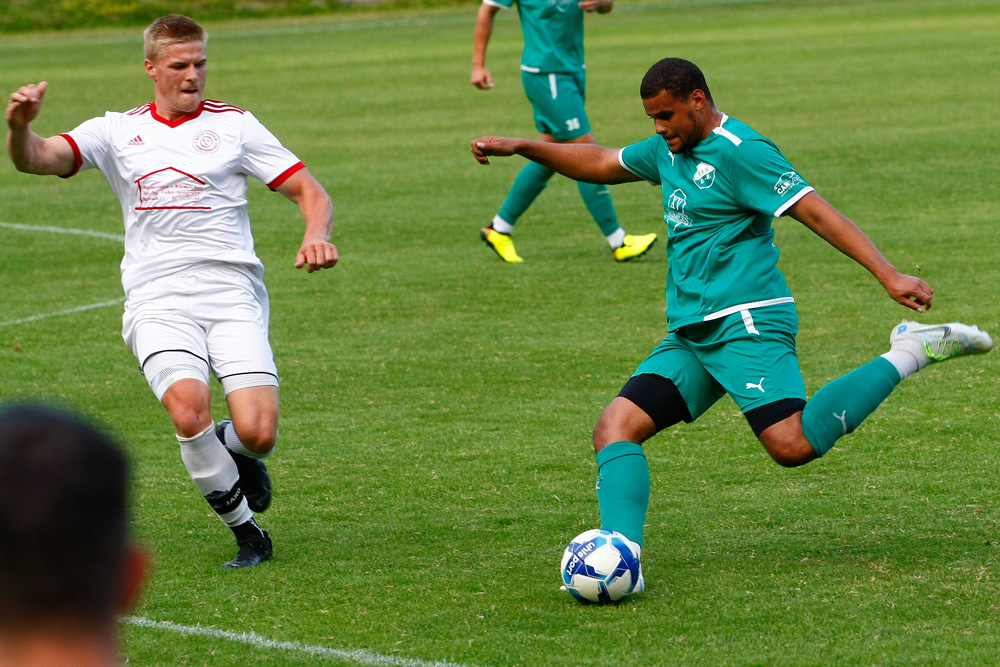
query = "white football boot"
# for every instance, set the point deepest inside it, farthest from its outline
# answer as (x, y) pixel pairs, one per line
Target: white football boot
(640, 583)
(929, 343)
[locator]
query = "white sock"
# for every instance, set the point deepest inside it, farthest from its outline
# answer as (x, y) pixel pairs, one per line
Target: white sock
(234, 444)
(905, 362)
(615, 239)
(214, 473)
(502, 226)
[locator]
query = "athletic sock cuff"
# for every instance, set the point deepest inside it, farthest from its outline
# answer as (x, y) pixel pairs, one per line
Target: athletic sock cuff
(616, 450)
(887, 369)
(183, 440)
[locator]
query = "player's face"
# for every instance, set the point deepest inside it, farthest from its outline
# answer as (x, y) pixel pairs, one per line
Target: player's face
(681, 123)
(179, 76)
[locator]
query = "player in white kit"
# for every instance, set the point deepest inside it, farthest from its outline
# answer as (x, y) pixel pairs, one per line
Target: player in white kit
(195, 297)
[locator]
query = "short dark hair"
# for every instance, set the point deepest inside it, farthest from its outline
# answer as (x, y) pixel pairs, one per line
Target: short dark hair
(63, 518)
(677, 76)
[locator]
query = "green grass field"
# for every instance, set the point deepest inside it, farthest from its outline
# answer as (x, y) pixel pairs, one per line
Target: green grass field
(435, 449)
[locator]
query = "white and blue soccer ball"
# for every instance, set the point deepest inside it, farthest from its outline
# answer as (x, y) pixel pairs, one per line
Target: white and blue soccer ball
(599, 566)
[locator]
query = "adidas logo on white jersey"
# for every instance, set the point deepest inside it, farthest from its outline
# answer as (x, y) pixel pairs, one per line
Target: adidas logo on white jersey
(137, 141)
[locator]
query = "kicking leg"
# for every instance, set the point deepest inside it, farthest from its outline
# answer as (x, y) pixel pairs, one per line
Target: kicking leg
(841, 405)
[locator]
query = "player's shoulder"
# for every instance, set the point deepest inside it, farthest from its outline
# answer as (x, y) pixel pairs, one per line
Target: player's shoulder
(111, 120)
(220, 107)
(124, 116)
(216, 112)
(739, 140)
(735, 132)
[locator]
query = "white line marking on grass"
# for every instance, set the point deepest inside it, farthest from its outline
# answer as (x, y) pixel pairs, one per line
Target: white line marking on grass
(253, 639)
(68, 311)
(62, 230)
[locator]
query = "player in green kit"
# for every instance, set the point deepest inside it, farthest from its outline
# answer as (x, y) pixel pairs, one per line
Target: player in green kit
(732, 319)
(552, 71)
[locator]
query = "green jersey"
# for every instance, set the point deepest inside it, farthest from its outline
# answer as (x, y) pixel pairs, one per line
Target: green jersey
(553, 34)
(719, 200)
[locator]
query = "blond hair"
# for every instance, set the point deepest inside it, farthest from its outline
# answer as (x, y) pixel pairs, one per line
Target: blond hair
(171, 29)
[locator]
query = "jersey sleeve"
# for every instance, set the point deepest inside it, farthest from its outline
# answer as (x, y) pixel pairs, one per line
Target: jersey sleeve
(264, 157)
(91, 144)
(502, 4)
(766, 181)
(640, 159)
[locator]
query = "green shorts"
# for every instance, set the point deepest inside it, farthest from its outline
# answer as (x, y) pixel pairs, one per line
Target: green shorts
(557, 100)
(749, 355)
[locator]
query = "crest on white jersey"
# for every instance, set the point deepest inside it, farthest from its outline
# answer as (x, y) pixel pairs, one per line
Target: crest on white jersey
(206, 141)
(704, 175)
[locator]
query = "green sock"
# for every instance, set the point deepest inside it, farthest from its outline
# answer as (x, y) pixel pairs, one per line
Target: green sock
(623, 488)
(598, 201)
(528, 184)
(840, 406)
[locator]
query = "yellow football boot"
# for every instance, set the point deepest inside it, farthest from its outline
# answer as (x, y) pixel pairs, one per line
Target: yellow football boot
(502, 244)
(632, 247)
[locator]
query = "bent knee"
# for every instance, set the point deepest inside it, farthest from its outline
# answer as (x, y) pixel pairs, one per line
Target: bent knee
(622, 421)
(258, 440)
(790, 453)
(189, 422)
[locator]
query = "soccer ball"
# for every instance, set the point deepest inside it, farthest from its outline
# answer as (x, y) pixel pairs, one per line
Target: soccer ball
(598, 566)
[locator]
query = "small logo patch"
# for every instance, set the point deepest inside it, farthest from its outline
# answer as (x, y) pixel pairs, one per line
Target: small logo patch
(137, 141)
(206, 141)
(786, 182)
(842, 418)
(704, 175)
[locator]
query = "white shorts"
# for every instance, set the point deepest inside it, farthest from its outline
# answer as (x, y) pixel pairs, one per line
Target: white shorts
(219, 315)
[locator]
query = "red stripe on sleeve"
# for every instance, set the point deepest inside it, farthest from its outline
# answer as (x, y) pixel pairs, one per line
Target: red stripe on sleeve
(77, 158)
(276, 183)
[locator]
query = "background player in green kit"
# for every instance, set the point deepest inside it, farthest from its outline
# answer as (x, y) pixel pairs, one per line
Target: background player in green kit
(732, 319)
(552, 71)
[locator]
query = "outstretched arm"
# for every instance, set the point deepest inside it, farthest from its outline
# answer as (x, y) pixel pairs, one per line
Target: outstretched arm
(29, 152)
(581, 162)
(599, 6)
(481, 77)
(316, 251)
(838, 230)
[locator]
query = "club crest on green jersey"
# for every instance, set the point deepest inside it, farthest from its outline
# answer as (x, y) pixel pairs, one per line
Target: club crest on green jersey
(704, 175)
(786, 182)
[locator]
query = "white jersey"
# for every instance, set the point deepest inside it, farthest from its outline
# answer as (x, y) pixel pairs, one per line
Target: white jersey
(182, 184)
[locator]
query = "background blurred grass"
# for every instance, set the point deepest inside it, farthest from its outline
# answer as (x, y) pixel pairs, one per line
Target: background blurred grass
(28, 15)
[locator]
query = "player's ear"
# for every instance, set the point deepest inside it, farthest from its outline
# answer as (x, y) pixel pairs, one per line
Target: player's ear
(134, 576)
(150, 69)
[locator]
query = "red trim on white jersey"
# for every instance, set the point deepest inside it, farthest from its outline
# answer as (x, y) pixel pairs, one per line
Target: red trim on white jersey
(276, 183)
(215, 106)
(184, 189)
(178, 121)
(77, 158)
(139, 181)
